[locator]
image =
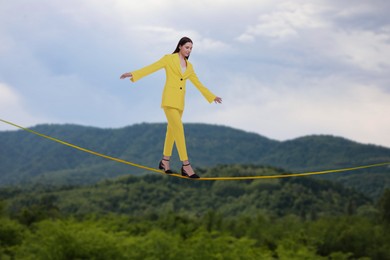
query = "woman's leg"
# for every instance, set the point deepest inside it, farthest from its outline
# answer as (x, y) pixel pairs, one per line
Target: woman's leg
(168, 145)
(175, 134)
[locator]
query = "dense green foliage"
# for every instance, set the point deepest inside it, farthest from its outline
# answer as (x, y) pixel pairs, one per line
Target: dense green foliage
(161, 217)
(211, 236)
(156, 194)
(27, 158)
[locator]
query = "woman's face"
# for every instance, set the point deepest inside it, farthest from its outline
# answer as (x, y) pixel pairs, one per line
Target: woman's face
(186, 49)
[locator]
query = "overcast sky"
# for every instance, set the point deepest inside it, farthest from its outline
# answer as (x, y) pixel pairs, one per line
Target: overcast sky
(284, 69)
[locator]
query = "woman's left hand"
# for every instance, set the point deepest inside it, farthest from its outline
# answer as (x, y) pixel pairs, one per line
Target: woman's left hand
(218, 100)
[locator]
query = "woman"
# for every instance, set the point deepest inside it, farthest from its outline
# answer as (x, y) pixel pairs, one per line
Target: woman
(178, 69)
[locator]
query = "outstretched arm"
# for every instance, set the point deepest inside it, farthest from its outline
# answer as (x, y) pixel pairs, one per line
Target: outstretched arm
(137, 74)
(205, 92)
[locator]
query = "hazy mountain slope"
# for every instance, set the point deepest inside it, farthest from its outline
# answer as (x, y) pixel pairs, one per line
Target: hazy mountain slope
(26, 158)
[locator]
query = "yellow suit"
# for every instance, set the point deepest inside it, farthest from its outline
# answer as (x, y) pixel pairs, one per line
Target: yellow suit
(173, 98)
(175, 85)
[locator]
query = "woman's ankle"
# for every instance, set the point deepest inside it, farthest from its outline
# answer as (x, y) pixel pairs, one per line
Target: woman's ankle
(186, 162)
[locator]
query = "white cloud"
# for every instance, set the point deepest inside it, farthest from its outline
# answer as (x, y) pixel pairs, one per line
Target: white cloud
(286, 21)
(12, 108)
(326, 31)
(246, 37)
(365, 49)
(332, 105)
(8, 97)
(169, 37)
(284, 69)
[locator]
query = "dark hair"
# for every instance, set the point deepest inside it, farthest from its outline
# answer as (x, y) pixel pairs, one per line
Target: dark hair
(182, 41)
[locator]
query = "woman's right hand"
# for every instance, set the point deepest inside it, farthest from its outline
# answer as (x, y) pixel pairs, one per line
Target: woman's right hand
(126, 75)
(218, 100)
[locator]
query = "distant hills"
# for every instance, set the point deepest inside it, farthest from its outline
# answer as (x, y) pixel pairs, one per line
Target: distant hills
(26, 158)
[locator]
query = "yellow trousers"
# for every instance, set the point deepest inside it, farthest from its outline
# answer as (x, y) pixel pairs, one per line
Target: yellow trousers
(175, 133)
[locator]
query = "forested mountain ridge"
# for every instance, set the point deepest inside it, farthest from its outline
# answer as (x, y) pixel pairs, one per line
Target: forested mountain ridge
(160, 217)
(305, 197)
(26, 158)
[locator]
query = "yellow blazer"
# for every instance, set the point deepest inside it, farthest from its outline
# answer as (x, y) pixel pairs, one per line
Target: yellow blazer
(175, 84)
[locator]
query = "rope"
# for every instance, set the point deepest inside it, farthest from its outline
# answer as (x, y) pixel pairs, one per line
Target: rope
(200, 179)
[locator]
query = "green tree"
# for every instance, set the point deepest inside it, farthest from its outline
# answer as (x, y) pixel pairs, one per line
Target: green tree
(384, 207)
(57, 240)
(11, 236)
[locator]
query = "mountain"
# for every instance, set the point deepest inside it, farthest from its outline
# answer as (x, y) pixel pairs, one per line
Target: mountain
(156, 194)
(318, 152)
(161, 217)
(26, 158)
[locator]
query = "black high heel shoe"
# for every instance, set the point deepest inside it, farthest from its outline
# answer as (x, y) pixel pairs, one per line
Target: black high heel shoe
(161, 167)
(185, 174)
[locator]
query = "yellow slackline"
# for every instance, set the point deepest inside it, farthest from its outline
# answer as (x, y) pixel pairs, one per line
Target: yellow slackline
(200, 179)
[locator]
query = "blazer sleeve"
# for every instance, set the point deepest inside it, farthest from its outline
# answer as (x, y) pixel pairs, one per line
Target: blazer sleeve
(138, 74)
(205, 92)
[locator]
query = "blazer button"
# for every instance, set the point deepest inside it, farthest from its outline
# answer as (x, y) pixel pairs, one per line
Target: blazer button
(181, 88)
(181, 79)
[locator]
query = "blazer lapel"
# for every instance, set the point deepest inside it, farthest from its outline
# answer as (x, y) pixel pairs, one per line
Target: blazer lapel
(188, 69)
(176, 60)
